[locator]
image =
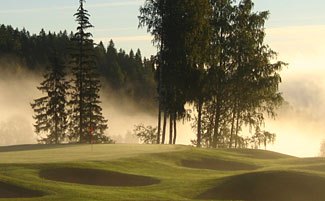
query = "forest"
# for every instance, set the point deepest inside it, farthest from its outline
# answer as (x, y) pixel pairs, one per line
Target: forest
(213, 68)
(127, 74)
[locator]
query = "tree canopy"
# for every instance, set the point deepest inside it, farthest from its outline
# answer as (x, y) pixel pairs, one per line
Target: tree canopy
(212, 53)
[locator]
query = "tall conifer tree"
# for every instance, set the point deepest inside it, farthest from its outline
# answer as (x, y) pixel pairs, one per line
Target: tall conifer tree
(87, 123)
(50, 110)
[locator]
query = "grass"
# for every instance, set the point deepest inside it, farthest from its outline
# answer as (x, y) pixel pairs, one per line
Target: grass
(269, 186)
(156, 172)
(217, 164)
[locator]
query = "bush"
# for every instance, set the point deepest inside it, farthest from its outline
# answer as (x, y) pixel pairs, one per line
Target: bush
(146, 134)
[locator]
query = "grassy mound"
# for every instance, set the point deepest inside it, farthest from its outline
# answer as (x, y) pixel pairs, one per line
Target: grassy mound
(319, 168)
(28, 147)
(306, 161)
(96, 177)
(217, 164)
(259, 154)
(36, 154)
(85, 164)
(12, 191)
(269, 186)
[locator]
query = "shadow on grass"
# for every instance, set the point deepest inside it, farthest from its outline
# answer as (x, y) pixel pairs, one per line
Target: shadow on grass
(12, 191)
(217, 164)
(96, 177)
(269, 186)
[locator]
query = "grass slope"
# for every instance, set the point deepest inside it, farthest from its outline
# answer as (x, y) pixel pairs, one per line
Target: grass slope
(269, 186)
(11, 191)
(156, 172)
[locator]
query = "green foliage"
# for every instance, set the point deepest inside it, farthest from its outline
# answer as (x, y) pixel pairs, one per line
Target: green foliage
(212, 53)
(146, 134)
(242, 78)
(262, 138)
(101, 139)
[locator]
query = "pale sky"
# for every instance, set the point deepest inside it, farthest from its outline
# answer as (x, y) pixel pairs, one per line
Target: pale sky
(295, 29)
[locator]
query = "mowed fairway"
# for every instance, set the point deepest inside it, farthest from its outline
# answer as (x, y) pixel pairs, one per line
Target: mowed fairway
(156, 172)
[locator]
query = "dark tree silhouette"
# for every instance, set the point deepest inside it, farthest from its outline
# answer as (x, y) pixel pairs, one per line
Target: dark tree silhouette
(179, 30)
(152, 15)
(87, 123)
(50, 110)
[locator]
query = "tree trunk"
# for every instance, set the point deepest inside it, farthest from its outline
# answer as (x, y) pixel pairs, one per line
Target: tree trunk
(56, 119)
(199, 123)
(164, 129)
(210, 130)
(90, 127)
(232, 129)
(160, 70)
(56, 130)
(216, 125)
(175, 129)
(160, 87)
(237, 128)
(81, 98)
(159, 123)
(170, 129)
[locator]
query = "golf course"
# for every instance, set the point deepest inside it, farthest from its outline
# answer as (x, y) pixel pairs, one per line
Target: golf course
(156, 172)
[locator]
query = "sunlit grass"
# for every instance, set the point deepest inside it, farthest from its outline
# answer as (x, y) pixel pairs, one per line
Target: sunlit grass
(21, 166)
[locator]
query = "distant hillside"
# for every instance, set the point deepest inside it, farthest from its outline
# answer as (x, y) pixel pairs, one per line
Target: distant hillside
(125, 74)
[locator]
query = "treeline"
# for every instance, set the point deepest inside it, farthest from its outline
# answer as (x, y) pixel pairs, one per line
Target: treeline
(129, 74)
(125, 74)
(33, 50)
(213, 56)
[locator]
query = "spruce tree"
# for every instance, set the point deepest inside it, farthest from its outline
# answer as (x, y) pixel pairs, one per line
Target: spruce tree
(87, 123)
(50, 110)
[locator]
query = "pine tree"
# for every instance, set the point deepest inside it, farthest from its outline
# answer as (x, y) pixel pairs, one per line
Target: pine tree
(138, 56)
(87, 123)
(50, 110)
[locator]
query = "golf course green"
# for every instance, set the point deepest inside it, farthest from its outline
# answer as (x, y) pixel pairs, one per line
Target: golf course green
(156, 172)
